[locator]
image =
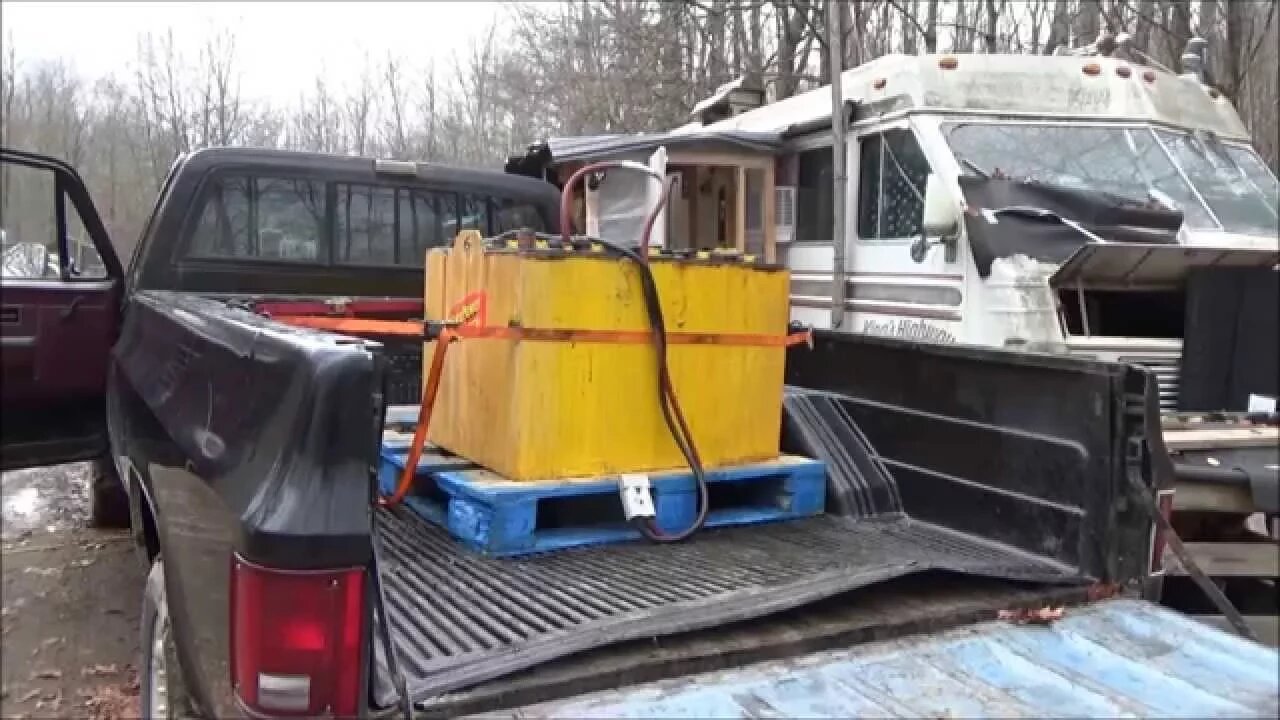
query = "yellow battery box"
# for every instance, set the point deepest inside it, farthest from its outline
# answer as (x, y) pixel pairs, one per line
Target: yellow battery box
(539, 407)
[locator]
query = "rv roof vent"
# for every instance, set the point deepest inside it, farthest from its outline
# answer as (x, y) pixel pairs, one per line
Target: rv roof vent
(732, 98)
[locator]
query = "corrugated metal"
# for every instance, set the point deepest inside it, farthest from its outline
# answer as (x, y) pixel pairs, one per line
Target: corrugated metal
(1167, 368)
(1121, 658)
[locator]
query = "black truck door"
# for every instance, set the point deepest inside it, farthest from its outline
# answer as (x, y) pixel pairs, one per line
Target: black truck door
(60, 301)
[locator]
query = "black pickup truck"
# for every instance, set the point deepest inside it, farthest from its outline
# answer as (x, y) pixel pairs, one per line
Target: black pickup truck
(962, 483)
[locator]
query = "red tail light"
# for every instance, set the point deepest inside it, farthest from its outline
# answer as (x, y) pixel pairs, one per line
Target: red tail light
(1164, 501)
(295, 639)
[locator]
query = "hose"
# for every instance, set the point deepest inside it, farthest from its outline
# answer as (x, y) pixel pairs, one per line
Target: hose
(672, 415)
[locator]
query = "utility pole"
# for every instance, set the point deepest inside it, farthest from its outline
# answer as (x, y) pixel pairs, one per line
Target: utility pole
(835, 60)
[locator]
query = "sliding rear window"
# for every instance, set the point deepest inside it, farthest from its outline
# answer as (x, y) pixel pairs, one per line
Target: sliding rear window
(339, 223)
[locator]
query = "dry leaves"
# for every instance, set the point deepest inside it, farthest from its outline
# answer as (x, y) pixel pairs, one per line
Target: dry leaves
(50, 700)
(1102, 591)
(113, 702)
(1032, 616)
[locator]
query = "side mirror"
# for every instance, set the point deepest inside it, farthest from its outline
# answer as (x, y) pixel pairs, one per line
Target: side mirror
(941, 221)
(940, 216)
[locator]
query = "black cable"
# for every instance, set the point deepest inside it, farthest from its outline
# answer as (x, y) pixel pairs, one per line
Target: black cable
(671, 413)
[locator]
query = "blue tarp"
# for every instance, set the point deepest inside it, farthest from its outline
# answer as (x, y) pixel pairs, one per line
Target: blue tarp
(1119, 658)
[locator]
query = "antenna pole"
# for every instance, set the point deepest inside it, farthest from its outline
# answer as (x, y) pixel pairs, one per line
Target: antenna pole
(839, 173)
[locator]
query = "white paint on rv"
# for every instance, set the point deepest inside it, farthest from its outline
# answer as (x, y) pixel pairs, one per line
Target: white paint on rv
(1034, 85)
(1020, 302)
(1015, 305)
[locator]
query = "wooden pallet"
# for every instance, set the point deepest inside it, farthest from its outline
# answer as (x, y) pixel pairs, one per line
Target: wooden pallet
(502, 518)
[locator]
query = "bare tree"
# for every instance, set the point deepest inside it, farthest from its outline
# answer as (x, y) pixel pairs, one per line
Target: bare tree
(569, 68)
(221, 111)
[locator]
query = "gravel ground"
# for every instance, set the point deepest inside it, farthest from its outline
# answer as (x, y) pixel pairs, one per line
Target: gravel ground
(71, 597)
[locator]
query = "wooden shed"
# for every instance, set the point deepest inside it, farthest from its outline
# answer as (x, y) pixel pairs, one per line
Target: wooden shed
(722, 194)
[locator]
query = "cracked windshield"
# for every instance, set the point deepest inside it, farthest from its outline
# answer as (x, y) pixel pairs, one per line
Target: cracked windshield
(1214, 185)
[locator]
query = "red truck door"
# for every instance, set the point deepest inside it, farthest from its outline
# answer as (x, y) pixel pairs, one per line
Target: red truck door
(60, 301)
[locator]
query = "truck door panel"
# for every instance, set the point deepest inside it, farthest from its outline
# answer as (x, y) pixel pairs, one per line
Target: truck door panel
(59, 315)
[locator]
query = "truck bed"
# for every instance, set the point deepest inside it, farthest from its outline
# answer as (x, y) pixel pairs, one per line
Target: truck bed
(459, 619)
(943, 508)
(912, 605)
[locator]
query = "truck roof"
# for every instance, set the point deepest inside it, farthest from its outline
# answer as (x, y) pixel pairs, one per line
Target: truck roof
(1032, 85)
(326, 165)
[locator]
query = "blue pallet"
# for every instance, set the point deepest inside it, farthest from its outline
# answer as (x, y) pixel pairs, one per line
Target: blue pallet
(499, 517)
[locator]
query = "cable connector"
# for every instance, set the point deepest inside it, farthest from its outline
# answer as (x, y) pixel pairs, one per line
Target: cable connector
(633, 488)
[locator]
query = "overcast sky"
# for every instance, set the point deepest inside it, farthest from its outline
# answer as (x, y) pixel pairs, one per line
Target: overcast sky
(281, 46)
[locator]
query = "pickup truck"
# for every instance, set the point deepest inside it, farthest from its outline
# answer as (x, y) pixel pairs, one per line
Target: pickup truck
(965, 485)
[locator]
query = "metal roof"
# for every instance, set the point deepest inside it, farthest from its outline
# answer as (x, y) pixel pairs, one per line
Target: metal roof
(1042, 85)
(1142, 265)
(1120, 658)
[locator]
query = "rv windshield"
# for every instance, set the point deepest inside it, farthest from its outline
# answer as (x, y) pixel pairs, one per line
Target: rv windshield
(1214, 185)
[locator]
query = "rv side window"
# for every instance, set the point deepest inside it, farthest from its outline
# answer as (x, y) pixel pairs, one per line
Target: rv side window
(891, 177)
(815, 218)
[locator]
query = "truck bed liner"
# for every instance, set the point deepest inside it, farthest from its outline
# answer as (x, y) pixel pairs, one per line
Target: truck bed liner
(459, 619)
(916, 604)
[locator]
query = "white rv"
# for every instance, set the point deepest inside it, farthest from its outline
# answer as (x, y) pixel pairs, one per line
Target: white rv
(920, 124)
(1044, 203)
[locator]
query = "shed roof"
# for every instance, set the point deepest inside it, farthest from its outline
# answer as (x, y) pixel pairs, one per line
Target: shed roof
(557, 151)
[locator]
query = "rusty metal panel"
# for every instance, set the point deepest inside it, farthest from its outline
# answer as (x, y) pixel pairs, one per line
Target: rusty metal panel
(1120, 658)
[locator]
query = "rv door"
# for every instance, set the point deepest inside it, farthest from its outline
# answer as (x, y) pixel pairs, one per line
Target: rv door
(892, 290)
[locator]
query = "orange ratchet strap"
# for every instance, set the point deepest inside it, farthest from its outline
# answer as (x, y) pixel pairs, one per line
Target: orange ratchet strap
(429, 390)
(445, 335)
(418, 329)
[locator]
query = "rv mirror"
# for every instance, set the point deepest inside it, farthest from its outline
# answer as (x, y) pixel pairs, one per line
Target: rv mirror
(941, 220)
(940, 216)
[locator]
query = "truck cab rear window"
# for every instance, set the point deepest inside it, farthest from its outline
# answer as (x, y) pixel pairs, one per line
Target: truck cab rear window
(270, 219)
(273, 219)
